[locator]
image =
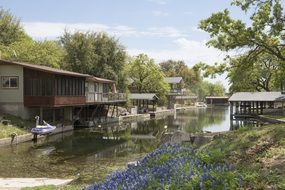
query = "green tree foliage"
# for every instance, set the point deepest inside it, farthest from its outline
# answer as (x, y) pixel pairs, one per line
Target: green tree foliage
(146, 76)
(16, 45)
(264, 34)
(260, 67)
(210, 89)
(10, 29)
(95, 54)
(191, 76)
(48, 53)
(262, 74)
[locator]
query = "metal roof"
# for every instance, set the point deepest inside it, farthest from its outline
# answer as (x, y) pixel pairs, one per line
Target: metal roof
(56, 71)
(100, 80)
(256, 96)
(143, 96)
(43, 68)
(173, 80)
(216, 97)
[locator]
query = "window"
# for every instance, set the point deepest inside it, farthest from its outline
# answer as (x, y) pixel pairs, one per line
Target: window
(9, 82)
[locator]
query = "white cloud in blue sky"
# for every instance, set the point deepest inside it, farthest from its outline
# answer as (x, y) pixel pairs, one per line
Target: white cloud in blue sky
(161, 2)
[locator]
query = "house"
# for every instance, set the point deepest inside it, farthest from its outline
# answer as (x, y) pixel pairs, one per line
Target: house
(27, 90)
(177, 93)
(176, 85)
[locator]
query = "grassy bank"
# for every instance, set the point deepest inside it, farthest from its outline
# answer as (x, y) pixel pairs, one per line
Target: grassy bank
(248, 158)
(14, 125)
(279, 117)
(257, 153)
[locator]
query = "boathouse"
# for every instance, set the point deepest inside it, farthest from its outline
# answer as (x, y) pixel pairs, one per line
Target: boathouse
(27, 90)
(246, 104)
(217, 100)
(145, 102)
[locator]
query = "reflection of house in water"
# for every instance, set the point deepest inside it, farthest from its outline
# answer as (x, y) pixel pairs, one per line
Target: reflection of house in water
(28, 90)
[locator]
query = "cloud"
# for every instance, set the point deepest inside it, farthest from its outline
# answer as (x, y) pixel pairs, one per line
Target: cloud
(189, 51)
(160, 13)
(53, 30)
(160, 2)
(50, 30)
(164, 32)
(122, 30)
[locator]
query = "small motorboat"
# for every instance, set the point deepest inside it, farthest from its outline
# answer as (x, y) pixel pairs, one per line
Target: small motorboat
(42, 129)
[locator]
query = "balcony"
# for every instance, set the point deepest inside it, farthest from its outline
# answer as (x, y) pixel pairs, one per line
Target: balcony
(53, 101)
(177, 92)
(93, 97)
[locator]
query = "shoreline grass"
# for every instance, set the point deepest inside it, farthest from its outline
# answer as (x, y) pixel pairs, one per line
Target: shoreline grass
(15, 125)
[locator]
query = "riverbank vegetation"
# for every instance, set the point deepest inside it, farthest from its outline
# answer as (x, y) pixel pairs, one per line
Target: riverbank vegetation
(12, 124)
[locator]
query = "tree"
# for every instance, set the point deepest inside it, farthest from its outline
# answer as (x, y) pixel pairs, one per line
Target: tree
(262, 74)
(265, 34)
(210, 89)
(48, 53)
(261, 65)
(95, 54)
(146, 77)
(16, 45)
(10, 29)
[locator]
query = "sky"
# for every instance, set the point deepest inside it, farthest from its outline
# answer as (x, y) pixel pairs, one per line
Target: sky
(163, 29)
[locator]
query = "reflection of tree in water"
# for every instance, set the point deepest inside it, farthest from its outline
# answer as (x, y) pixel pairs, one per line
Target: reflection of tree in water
(196, 120)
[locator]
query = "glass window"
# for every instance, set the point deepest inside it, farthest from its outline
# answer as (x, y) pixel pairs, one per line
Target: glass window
(9, 82)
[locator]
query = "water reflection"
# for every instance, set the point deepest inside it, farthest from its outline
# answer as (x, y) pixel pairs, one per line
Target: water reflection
(93, 153)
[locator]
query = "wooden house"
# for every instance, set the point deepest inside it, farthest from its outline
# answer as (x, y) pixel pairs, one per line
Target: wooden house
(27, 90)
(177, 93)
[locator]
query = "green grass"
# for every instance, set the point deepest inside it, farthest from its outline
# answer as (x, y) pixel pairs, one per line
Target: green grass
(7, 130)
(16, 125)
(257, 153)
(279, 117)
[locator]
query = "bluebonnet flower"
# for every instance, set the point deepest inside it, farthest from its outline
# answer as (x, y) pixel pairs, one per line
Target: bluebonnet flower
(171, 166)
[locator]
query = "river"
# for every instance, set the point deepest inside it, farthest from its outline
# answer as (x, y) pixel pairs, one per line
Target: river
(91, 154)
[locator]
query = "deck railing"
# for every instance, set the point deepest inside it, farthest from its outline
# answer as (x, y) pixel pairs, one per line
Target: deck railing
(105, 97)
(177, 91)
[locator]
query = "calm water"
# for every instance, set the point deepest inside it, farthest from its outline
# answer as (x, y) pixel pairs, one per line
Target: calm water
(91, 154)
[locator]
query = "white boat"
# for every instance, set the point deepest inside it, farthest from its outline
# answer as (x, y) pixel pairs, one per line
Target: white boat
(200, 104)
(42, 129)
